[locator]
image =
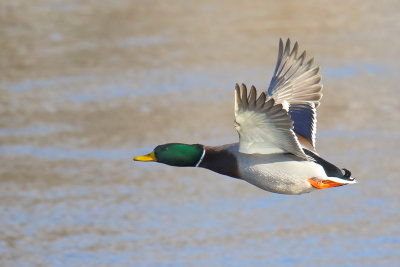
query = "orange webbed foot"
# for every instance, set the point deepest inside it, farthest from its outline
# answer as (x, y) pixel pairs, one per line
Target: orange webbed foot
(323, 184)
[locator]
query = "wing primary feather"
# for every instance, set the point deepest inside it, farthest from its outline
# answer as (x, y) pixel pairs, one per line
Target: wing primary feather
(238, 100)
(294, 51)
(287, 48)
(302, 57)
(261, 101)
(275, 109)
(268, 104)
(280, 54)
(252, 97)
(310, 62)
(244, 96)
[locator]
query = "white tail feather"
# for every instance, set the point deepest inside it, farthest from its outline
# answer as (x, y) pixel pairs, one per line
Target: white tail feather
(342, 181)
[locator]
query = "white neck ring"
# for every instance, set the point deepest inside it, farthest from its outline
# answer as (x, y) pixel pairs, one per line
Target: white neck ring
(202, 157)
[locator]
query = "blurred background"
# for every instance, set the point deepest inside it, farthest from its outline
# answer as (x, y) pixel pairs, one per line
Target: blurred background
(87, 85)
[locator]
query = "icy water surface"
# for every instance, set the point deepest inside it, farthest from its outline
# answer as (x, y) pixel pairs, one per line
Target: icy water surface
(85, 86)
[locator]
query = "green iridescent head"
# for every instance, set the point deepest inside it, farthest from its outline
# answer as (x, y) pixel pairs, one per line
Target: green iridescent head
(175, 154)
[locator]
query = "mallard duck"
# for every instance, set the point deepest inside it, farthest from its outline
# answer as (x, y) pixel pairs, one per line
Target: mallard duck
(276, 150)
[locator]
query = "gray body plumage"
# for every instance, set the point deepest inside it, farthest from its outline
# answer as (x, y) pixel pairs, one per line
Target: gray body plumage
(281, 173)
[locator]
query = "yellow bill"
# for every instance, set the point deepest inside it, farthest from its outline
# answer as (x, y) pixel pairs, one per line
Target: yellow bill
(148, 157)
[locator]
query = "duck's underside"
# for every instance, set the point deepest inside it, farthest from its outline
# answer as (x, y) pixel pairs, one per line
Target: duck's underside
(284, 174)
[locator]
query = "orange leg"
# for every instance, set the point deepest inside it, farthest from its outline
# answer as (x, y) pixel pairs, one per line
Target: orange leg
(323, 184)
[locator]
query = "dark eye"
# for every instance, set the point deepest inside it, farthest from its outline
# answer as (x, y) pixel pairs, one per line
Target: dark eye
(164, 148)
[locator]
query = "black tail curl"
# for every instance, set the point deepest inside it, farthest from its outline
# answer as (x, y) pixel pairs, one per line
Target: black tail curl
(347, 174)
(330, 169)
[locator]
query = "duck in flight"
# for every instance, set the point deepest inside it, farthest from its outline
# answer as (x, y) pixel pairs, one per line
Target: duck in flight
(276, 150)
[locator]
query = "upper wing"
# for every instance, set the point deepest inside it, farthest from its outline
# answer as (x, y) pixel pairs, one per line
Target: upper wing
(294, 82)
(263, 126)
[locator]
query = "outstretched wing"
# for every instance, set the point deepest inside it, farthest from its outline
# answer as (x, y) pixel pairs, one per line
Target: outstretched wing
(296, 83)
(264, 127)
